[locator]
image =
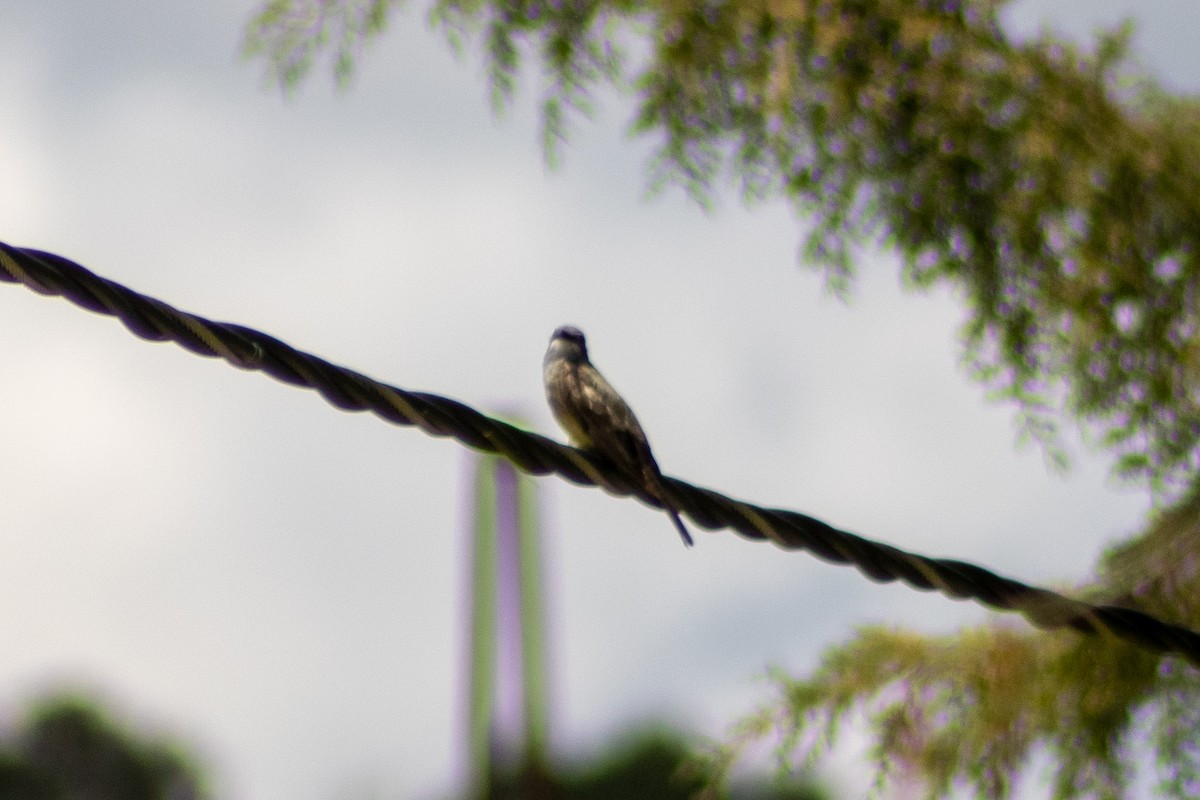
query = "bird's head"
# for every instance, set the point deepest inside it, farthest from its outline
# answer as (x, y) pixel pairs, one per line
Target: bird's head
(568, 343)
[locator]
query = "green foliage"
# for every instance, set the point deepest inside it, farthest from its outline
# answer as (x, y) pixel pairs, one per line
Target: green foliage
(577, 46)
(650, 764)
(970, 710)
(68, 747)
(290, 34)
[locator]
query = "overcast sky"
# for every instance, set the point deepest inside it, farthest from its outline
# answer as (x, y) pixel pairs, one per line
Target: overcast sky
(281, 584)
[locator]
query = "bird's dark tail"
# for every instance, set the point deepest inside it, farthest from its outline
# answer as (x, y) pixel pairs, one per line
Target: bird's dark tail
(679, 526)
(656, 484)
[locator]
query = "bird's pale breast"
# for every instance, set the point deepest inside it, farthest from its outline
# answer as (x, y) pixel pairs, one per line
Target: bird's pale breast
(562, 390)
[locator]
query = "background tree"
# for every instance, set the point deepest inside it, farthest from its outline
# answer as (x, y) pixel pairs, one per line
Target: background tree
(1054, 189)
(68, 747)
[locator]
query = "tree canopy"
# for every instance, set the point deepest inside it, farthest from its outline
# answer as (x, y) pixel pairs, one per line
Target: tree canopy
(1053, 187)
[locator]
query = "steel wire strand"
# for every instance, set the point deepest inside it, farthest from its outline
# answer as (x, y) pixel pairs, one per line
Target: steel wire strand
(249, 349)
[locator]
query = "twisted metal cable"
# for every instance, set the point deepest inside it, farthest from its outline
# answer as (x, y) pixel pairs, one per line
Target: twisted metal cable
(249, 349)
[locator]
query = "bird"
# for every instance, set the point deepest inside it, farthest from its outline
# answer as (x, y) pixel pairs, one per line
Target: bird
(598, 420)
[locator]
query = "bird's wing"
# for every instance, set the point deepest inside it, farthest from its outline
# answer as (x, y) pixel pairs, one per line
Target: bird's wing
(616, 433)
(613, 428)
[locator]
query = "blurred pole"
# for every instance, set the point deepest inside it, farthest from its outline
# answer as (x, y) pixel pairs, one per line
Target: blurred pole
(509, 707)
(535, 682)
(482, 659)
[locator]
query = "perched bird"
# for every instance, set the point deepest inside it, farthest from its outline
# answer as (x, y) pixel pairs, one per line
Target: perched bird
(597, 419)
